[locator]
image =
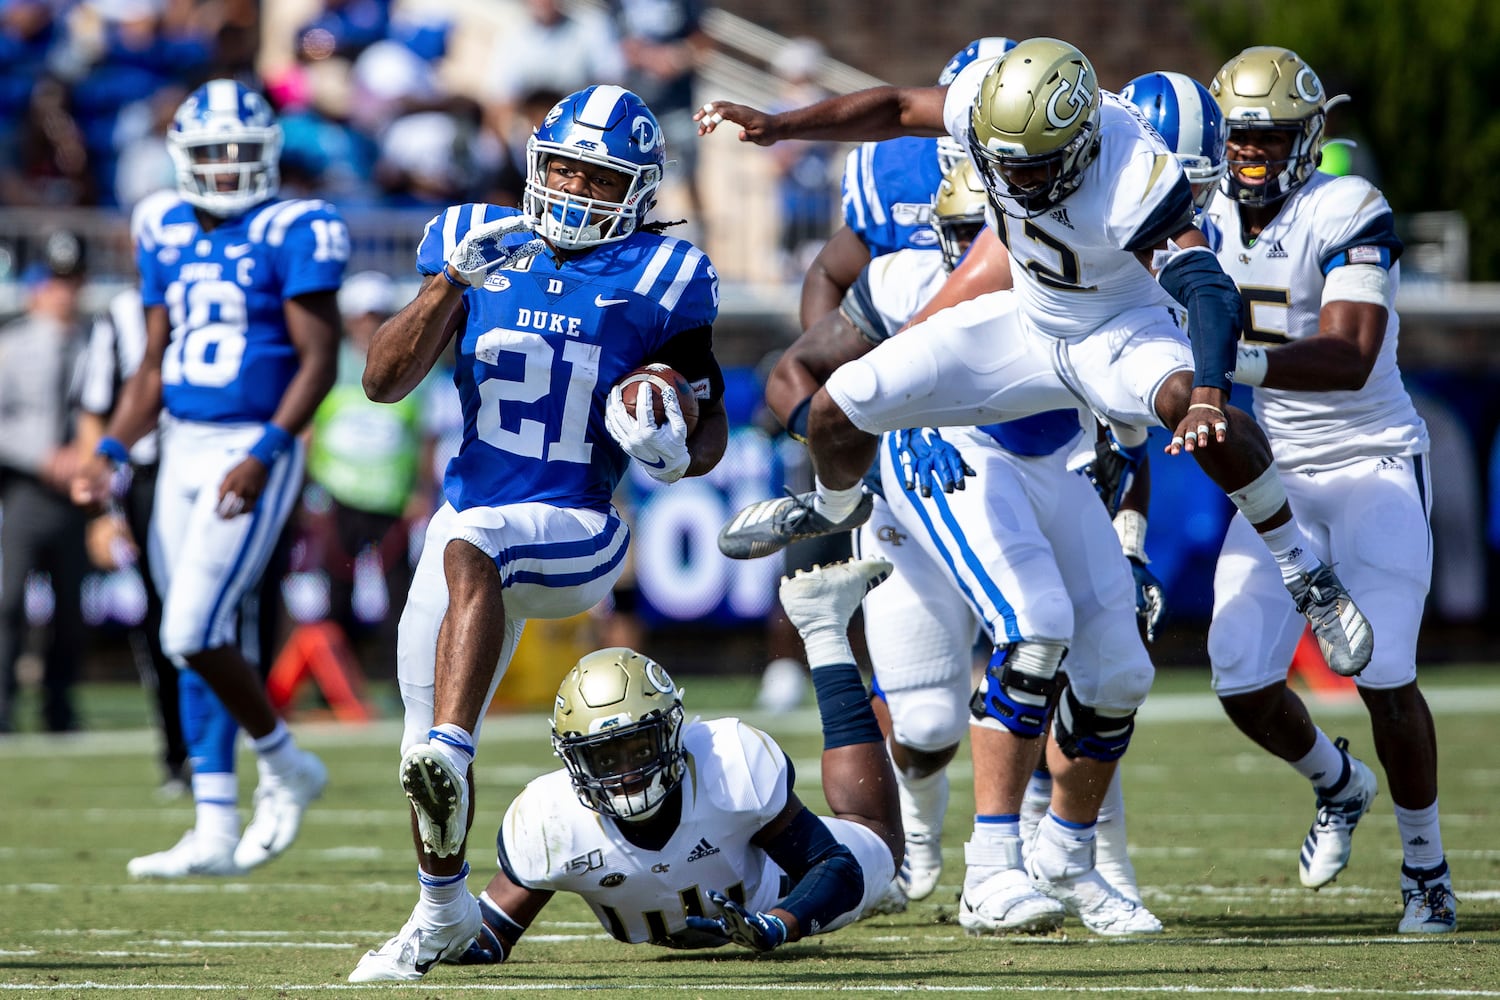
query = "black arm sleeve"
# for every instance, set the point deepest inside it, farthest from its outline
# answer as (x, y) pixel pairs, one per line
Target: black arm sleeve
(691, 353)
(827, 880)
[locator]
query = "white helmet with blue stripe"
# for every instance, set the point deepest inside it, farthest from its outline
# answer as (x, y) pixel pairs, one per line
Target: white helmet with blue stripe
(1186, 115)
(605, 126)
(226, 145)
(950, 150)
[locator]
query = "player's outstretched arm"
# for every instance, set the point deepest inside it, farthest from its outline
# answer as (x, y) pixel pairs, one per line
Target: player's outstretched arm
(508, 909)
(806, 365)
(832, 273)
(865, 115)
(407, 345)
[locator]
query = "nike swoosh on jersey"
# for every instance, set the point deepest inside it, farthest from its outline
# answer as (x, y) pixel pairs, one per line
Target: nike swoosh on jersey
(237, 250)
(601, 301)
(660, 463)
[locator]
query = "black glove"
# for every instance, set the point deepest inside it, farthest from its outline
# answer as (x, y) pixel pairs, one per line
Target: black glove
(1150, 598)
(1113, 470)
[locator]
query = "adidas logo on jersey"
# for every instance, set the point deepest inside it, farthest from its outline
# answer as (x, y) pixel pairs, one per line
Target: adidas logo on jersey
(1388, 464)
(1277, 250)
(701, 850)
(1061, 215)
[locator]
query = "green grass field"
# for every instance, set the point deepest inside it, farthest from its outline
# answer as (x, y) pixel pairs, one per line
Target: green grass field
(1214, 828)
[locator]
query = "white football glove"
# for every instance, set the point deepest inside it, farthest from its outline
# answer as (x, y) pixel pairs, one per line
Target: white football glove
(480, 251)
(662, 450)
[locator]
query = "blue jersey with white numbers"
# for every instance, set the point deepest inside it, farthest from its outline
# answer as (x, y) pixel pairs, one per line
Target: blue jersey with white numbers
(230, 358)
(888, 188)
(542, 344)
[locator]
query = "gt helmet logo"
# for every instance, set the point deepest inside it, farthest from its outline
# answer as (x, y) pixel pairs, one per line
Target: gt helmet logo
(1079, 96)
(657, 678)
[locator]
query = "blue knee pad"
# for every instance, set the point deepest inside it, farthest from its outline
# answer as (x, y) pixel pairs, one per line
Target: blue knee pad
(1083, 732)
(207, 726)
(1020, 686)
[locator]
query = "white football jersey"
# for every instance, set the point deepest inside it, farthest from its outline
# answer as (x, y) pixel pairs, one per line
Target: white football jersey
(1073, 266)
(900, 283)
(736, 783)
(1327, 223)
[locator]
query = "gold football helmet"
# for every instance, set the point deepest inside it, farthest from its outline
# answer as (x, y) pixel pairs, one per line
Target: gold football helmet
(958, 210)
(1034, 126)
(1270, 89)
(617, 726)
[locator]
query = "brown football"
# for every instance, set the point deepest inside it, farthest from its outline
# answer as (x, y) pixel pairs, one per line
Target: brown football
(652, 379)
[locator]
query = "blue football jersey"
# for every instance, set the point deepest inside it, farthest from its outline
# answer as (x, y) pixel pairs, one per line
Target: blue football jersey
(887, 192)
(230, 358)
(542, 344)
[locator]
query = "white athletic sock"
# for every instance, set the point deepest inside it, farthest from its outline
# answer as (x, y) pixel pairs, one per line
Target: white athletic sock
(1421, 841)
(1062, 849)
(215, 809)
(277, 749)
(454, 744)
(1323, 765)
(439, 894)
(1294, 556)
(834, 504)
(928, 794)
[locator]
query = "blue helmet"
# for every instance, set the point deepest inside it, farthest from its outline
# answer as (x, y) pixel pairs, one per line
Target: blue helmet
(226, 145)
(950, 150)
(609, 127)
(1186, 115)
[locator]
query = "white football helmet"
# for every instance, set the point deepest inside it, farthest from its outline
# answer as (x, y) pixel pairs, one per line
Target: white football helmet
(617, 726)
(950, 150)
(226, 145)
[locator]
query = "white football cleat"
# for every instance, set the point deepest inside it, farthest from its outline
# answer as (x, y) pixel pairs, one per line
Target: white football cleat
(439, 795)
(826, 597)
(1431, 906)
(1007, 903)
(922, 819)
(280, 801)
(1344, 634)
(892, 901)
(998, 897)
(419, 946)
(194, 854)
(1326, 849)
(1094, 901)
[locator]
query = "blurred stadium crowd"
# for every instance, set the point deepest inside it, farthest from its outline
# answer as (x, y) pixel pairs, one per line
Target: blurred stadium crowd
(393, 107)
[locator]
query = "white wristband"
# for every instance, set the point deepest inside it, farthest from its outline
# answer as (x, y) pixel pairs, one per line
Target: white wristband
(1250, 365)
(1130, 525)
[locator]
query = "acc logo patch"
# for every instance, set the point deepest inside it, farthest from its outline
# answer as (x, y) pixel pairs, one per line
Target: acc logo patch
(612, 879)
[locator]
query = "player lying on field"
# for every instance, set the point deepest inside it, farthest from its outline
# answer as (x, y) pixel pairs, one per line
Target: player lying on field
(689, 834)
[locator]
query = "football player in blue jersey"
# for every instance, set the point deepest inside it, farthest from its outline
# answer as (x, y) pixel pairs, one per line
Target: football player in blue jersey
(242, 341)
(546, 307)
(1187, 117)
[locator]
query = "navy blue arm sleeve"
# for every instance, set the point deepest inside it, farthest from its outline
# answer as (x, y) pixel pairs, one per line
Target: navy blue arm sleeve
(1213, 305)
(826, 879)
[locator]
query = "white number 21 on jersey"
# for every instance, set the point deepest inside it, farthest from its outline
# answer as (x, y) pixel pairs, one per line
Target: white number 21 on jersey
(531, 438)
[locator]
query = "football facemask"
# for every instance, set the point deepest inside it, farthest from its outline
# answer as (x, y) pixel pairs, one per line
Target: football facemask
(617, 726)
(226, 146)
(600, 126)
